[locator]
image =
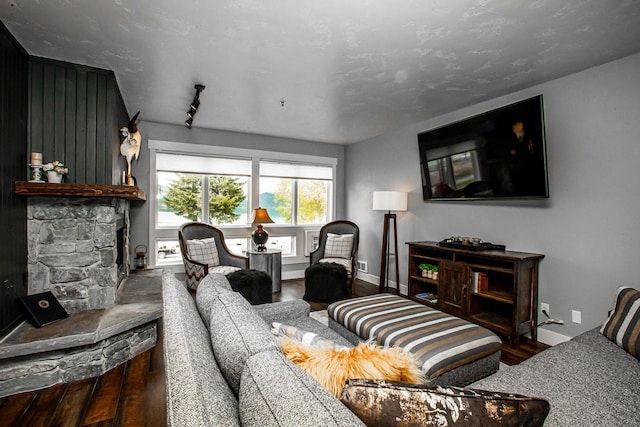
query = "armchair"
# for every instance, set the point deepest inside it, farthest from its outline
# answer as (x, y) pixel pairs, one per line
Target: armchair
(204, 251)
(338, 250)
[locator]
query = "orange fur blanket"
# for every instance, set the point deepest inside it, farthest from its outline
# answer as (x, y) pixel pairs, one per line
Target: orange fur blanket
(332, 368)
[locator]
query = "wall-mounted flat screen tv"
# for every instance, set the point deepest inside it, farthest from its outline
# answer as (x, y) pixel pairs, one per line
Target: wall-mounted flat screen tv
(500, 154)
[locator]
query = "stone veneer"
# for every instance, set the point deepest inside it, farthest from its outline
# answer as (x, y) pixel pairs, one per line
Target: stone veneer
(42, 370)
(73, 249)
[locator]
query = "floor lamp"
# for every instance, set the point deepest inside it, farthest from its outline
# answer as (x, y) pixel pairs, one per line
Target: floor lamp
(389, 201)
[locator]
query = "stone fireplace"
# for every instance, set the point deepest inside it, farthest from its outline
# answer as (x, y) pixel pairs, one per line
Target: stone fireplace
(78, 248)
(74, 249)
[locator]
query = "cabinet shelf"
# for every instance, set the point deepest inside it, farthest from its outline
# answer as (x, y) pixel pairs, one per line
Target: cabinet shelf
(477, 267)
(425, 280)
(507, 300)
(504, 297)
(494, 321)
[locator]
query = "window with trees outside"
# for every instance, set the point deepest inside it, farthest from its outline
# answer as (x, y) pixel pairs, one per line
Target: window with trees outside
(224, 190)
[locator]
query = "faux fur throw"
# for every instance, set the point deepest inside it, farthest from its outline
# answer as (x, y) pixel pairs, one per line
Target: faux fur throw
(332, 367)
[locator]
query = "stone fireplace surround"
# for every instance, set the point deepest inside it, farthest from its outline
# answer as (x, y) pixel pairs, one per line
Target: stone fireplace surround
(74, 231)
(73, 249)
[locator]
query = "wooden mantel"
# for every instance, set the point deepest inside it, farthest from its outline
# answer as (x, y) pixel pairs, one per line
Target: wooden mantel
(28, 189)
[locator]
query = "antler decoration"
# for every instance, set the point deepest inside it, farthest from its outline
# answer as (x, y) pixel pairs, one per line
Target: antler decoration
(130, 146)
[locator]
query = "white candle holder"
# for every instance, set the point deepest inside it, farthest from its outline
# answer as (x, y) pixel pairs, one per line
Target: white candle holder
(36, 173)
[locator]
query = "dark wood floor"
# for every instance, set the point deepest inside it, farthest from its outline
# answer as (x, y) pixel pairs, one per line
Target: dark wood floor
(133, 394)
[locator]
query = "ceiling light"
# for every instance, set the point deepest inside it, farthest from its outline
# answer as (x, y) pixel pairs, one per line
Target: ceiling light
(193, 108)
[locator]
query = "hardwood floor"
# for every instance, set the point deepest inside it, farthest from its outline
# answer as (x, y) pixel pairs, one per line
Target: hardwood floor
(133, 394)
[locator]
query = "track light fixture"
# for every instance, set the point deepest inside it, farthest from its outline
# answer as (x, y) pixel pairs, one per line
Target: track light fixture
(193, 108)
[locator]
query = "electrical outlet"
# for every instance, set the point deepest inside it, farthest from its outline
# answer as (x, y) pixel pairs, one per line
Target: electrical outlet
(576, 316)
(544, 307)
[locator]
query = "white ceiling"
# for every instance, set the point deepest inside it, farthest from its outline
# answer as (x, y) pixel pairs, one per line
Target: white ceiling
(347, 70)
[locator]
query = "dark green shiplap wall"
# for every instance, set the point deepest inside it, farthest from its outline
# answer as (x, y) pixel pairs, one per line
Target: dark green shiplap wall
(13, 166)
(75, 115)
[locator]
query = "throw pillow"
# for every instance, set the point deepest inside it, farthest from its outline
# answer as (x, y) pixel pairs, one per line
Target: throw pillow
(338, 246)
(390, 403)
(204, 251)
(332, 368)
(305, 337)
(623, 325)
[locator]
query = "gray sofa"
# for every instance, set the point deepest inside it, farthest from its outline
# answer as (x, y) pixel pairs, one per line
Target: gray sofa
(589, 381)
(232, 373)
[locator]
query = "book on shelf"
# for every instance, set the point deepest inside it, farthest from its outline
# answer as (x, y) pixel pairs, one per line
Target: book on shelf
(483, 283)
(480, 282)
(428, 296)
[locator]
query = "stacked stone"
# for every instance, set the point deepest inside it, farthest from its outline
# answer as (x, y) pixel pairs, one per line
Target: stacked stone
(72, 245)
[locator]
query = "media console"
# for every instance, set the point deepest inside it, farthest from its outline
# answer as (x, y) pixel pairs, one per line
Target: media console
(495, 289)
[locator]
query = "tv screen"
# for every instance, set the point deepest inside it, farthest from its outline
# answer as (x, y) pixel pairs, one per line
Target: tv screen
(494, 155)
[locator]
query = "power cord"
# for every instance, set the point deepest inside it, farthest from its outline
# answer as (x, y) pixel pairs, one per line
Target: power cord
(550, 321)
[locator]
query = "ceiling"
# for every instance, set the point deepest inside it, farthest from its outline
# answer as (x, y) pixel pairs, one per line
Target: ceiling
(346, 70)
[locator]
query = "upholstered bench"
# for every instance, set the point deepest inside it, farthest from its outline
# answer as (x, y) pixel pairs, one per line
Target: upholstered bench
(450, 351)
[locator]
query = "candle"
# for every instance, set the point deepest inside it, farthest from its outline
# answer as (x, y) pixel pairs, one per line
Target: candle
(36, 158)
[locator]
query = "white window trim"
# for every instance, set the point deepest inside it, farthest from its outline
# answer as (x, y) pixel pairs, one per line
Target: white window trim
(234, 231)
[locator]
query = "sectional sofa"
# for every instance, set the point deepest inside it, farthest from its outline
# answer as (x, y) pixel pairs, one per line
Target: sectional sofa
(233, 373)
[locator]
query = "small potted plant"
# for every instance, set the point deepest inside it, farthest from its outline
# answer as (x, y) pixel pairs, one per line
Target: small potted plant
(55, 171)
(427, 270)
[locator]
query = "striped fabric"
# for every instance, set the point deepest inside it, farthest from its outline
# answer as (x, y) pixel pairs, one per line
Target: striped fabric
(623, 325)
(305, 337)
(440, 342)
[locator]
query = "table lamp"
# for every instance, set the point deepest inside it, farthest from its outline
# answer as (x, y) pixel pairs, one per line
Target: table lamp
(260, 235)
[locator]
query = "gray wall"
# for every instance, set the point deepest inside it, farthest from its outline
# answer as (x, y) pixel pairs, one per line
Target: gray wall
(588, 229)
(142, 212)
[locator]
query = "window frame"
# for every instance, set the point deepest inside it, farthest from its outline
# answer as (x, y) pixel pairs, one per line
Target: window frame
(297, 232)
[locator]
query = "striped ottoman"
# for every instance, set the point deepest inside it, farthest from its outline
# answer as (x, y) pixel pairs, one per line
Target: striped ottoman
(451, 351)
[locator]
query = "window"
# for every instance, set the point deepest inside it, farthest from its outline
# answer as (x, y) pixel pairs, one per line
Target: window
(222, 186)
(197, 188)
(295, 194)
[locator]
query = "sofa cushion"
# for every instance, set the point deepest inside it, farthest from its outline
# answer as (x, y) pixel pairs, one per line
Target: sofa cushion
(237, 332)
(338, 246)
(390, 403)
(210, 286)
(204, 251)
(197, 393)
(275, 392)
(623, 325)
(332, 367)
(585, 386)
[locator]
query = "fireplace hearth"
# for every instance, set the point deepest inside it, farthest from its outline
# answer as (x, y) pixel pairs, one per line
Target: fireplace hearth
(78, 248)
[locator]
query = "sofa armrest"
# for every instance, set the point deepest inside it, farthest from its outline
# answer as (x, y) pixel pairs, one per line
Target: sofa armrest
(279, 311)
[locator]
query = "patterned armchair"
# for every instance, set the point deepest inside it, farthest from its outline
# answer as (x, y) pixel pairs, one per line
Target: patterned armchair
(338, 243)
(204, 251)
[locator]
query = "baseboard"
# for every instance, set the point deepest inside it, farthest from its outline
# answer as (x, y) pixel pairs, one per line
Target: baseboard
(294, 274)
(375, 280)
(551, 338)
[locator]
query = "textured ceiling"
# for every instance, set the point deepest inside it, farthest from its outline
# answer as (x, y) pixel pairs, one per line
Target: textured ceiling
(347, 70)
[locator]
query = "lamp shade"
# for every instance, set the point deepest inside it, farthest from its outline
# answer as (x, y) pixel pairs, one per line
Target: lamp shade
(389, 201)
(261, 216)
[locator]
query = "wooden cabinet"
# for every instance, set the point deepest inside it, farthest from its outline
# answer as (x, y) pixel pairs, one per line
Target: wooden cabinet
(495, 289)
